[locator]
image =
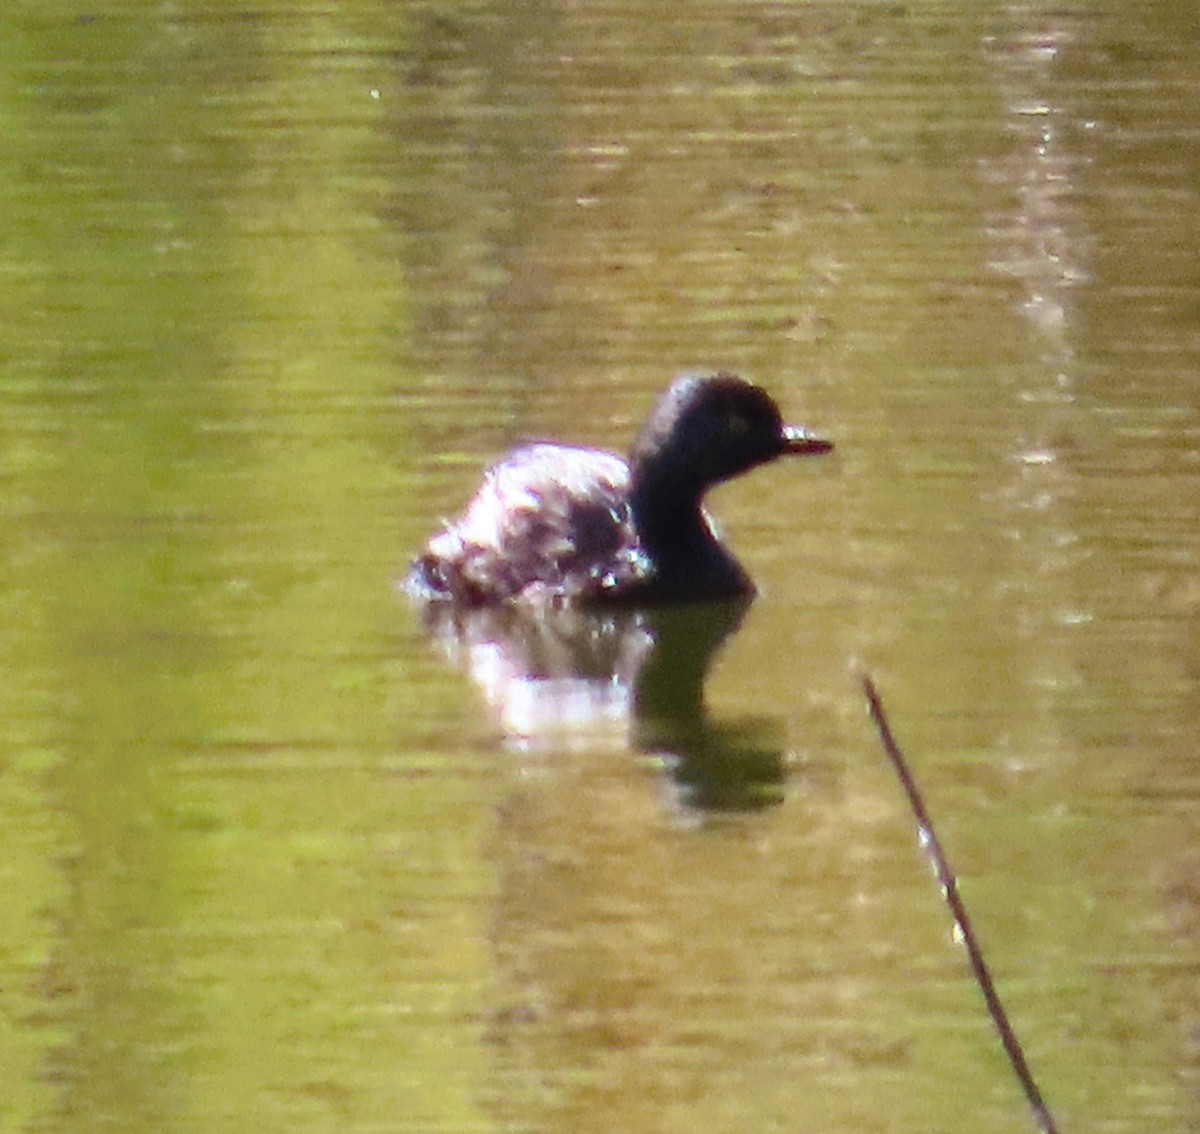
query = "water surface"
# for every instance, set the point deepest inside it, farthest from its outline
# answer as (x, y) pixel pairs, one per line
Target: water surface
(276, 284)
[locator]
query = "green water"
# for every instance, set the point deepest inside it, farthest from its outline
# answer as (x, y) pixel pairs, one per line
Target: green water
(276, 283)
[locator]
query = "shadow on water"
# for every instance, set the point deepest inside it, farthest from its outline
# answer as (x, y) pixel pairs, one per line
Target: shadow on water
(575, 678)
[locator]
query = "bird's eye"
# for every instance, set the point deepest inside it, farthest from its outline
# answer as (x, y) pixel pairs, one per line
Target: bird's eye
(737, 426)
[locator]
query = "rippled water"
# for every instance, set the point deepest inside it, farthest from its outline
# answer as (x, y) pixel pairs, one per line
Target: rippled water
(276, 284)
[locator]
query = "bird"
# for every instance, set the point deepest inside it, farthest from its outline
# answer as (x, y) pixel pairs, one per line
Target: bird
(560, 525)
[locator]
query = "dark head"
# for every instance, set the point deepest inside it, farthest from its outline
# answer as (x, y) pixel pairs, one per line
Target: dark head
(707, 429)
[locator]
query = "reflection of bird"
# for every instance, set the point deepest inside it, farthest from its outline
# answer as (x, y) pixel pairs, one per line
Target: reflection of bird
(579, 679)
(553, 678)
(560, 524)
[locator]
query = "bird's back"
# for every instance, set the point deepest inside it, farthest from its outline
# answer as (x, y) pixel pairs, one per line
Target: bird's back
(550, 522)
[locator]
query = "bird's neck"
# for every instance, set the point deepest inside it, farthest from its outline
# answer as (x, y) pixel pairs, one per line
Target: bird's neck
(670, 520)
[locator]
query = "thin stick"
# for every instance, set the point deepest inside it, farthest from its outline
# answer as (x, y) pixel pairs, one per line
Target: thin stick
(945, 875)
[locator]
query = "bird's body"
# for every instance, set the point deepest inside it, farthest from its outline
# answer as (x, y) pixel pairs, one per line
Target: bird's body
(563, 524)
